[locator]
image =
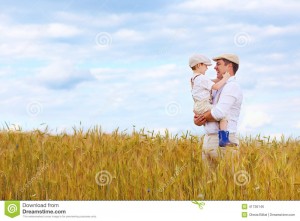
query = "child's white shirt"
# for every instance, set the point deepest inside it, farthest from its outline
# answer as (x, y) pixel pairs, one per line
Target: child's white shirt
(202, 87)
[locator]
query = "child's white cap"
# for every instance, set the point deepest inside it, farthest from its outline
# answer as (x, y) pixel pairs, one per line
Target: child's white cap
(198, 59)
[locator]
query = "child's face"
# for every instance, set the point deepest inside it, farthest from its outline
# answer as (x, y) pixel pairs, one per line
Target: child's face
(203, 68)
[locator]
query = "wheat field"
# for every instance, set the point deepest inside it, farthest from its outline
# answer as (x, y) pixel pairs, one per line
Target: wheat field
(143, 165)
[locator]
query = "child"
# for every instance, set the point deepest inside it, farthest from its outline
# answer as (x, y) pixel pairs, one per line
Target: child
(202, 88)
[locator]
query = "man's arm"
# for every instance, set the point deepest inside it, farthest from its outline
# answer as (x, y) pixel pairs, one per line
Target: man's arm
(199, 120)
(208, 116)
(227, 99)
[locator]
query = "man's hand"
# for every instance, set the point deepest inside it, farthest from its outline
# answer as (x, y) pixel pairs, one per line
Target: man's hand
(199, 120)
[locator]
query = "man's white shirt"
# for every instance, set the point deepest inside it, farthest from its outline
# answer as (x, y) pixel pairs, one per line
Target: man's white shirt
(226, 103)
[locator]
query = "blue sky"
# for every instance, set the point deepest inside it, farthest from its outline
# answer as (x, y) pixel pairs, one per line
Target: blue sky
(124, 63)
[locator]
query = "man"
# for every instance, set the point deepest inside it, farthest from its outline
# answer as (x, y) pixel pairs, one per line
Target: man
(227, 102)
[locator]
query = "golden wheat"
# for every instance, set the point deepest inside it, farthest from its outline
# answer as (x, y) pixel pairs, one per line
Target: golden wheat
(143, 165)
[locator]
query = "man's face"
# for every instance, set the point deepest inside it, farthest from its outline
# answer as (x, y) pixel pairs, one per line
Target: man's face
(220, 68)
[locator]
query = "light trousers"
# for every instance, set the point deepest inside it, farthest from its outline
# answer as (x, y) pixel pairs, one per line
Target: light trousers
(211, 149)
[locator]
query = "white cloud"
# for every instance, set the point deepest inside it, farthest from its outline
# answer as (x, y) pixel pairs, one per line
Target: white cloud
(251, 33)
(103, 21)
(6, 71)
(36, 31)
(155, 74)
(207, 5)
(128, 35)
(35, 40)
(166, 70)
(276, 57)
(272, 30)
(254, 117)
(57, 30)
(107, 74)
(265, 6)
(62, 75)
(178, 33)
(280, 81)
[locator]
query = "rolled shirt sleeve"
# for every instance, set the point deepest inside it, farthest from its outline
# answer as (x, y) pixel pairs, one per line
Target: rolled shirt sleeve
(227, 103)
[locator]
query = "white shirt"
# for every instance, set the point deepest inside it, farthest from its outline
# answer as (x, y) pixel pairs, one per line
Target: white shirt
(202, 87)
(226, 102)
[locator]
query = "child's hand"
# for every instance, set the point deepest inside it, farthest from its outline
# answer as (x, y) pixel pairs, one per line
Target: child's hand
(226, 75)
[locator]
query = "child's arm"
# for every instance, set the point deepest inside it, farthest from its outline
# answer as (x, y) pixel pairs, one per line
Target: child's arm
(221, 83)
(215, 80)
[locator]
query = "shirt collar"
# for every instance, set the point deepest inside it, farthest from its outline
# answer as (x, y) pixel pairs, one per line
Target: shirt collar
(232, 78)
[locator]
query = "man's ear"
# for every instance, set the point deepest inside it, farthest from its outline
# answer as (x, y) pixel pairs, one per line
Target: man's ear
(230, 66)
